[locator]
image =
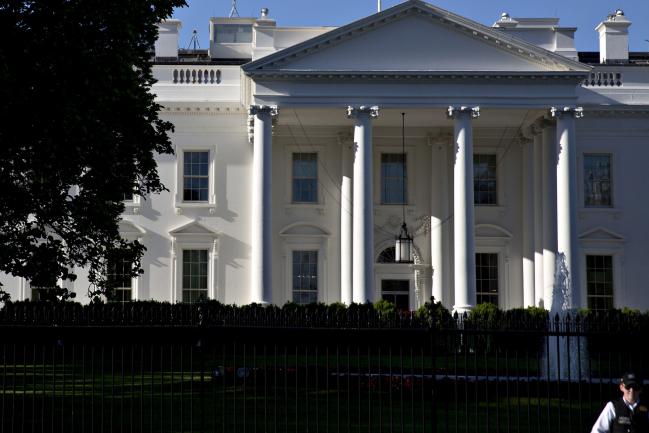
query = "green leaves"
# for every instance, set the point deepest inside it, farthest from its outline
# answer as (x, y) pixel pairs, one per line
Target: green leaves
(80, 130)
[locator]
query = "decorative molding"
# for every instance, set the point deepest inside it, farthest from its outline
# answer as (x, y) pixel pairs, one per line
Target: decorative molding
(617, 112)
(419, 76)
(455, 112)
(576, 112)
(254, 110)
(354, 112)
(184, 109)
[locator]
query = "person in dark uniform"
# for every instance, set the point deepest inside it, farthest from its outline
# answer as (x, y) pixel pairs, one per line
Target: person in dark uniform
(626, 414)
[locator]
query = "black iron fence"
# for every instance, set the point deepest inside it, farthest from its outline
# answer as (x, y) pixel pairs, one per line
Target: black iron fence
(208, 369)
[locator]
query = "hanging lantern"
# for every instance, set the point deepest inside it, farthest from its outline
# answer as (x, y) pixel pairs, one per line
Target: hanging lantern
(403, 247)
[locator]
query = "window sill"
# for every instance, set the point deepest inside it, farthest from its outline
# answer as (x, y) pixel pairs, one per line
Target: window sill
(195, 205)
(610, 211)
(316, 207)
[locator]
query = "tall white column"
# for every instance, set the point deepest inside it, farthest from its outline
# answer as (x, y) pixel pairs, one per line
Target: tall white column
(438, 214)
(463, 212)
(528, 222)
(363, 207)
(261, 283)
(549, 211)
(567, 248)
(346, 223)
(538, 214)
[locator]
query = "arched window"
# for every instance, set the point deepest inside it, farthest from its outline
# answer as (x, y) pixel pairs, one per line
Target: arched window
(386, 256)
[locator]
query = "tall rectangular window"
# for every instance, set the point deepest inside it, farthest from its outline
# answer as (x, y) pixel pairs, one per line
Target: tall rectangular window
(486, 277)
(597, 179)
(195, 176)
(305, 178)
(484, 179)
(599, 281)
(43, 291)
(194, 275)
(394, 178)
(397, 292)
(119, 278)
(305, 277)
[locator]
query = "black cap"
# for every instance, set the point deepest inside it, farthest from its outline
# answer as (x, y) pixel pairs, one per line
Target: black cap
(630, 379)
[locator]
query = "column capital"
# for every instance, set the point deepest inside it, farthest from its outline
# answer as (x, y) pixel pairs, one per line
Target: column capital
(354, 112)
(576, 112)
(454, 112)
(254, 110)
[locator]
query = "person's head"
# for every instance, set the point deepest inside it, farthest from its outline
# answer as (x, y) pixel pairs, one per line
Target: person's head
(630, 385)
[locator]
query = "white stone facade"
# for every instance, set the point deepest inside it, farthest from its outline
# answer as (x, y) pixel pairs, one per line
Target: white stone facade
(559, 149)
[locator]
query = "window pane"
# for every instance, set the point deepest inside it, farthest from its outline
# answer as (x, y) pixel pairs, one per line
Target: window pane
(233, 33)
(305, 277)
(484, 179)
(194, 276)
(397, 292)
(394, 178)
(305, 178)
(486, 271)
(597, 180)
(196, 176)
(599, 281)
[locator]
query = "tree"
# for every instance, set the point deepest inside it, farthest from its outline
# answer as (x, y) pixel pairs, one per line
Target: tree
(79, 131)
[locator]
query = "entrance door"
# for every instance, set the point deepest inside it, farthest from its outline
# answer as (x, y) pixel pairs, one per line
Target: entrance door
(397, 292)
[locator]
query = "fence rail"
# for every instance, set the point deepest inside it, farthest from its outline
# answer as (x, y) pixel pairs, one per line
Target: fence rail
(203, 372)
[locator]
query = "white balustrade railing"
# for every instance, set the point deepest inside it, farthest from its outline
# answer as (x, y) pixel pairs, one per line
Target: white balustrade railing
(603, 79)
(187, 74)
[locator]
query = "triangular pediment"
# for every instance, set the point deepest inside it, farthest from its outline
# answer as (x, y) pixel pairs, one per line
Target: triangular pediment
(193, 228)
(129, 228)
(413, 37)
(600, 234)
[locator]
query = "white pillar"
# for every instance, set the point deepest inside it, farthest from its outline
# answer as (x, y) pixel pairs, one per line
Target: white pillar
(363, 207)
(463, 212)
(261, 282)
(528, 222)
(346, 224)
(538, 215)
(567, 248)
(549, 212)
(438, 215)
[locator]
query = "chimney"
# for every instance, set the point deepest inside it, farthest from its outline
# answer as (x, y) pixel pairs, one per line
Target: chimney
(166, 46)
(614, 38)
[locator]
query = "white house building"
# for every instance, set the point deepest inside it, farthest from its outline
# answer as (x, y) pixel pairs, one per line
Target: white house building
(518, 167)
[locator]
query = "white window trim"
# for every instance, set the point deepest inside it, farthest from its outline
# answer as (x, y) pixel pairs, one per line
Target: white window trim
(290, 149)
(410, 176)
(210, 204)
(604, 247)
(193, 241)
(500, 175)
(305, 242)
(498, 242)
(581, 158)
(133, 204)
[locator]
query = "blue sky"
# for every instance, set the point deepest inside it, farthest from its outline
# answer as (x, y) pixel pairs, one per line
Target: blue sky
(583, 14)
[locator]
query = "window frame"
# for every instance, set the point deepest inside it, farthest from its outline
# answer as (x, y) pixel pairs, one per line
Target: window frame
(293, 178)
(194, 236)
(496, 179)
(501, 172)
(382, 178)
(411, 175)
(583, 156)
(609, 244)
(498, 277)
(490, 238)
(292, 276)
(180, 203)
(289, 204)
(613, 275)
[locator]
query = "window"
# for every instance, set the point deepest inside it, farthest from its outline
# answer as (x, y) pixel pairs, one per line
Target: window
(597, 180)
(120, 280)
(305, 277)
(195, 176)
(194, 275)
(394, 178)
(305, 178)
(484, 179)
(388, 255)
(43, 292)
(233, 33)
(397, 292)
(599, 281)
(486, 278)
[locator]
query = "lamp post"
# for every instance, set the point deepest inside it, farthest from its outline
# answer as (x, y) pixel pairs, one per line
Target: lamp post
(403, 246)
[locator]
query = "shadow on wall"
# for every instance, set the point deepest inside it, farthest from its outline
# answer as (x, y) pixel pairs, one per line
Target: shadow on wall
(231, 253)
